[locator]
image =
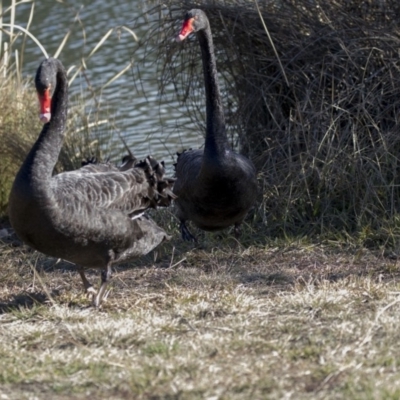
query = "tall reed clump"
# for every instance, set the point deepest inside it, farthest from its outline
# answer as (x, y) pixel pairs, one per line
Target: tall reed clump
(18, 117)
(312, 90)
(19, 123)
(18, 108)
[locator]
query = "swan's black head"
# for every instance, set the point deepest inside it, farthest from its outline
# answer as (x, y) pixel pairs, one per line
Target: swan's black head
(195, 20)
(45, 82)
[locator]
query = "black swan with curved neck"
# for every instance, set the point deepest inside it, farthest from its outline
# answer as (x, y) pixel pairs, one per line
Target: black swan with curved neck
(215, 187)
(92, 216)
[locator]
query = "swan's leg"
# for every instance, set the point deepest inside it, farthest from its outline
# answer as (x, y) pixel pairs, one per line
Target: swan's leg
(90, 291)
(237, 230)
(105, 276)
(186, 235)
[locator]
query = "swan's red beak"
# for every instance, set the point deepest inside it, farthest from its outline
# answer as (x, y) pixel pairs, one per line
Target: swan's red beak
(186, 30)
(45, 106)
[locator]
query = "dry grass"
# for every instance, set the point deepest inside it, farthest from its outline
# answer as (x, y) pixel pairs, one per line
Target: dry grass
(319, 116)
(274, 321)
(18, 117)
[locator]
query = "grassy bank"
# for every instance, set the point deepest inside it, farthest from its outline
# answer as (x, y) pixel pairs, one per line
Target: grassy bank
(292, 320)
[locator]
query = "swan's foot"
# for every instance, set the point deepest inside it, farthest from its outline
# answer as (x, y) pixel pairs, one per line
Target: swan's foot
(185, 233)
(105, 276)
(90, 292)
(89, 289)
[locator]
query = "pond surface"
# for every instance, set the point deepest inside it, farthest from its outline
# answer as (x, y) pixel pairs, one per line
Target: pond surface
(133, 108)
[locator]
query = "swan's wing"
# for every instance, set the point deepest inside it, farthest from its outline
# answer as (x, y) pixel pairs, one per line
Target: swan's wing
(92, 165)
(246, 166)
(130, 191)
(95, 168)
(127, 191)
(187, 169)
(152, 236)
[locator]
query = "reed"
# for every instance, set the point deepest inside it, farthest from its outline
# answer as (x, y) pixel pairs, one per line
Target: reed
(311, 93)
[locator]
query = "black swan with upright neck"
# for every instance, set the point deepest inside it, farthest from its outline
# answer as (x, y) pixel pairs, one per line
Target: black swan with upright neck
(91, 216)
(215, 187)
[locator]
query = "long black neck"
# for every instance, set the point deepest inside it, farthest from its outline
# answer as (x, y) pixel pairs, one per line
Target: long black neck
(216, 140)
(39, 164)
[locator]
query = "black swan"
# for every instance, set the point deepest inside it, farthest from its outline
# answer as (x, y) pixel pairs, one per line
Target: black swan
(215, 187)
(91, 216)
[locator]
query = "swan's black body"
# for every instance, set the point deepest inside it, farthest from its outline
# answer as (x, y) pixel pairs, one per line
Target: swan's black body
(91, 216)
(215, 187)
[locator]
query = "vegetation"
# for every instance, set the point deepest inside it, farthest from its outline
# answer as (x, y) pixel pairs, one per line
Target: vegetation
(292, 320)
(307, 304)
(312, 89)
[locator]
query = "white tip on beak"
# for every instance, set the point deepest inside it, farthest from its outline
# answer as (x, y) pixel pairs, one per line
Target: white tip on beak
(45, 117)
(180, 38)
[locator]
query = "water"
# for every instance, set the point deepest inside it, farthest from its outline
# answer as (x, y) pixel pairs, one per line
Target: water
(131, 105)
